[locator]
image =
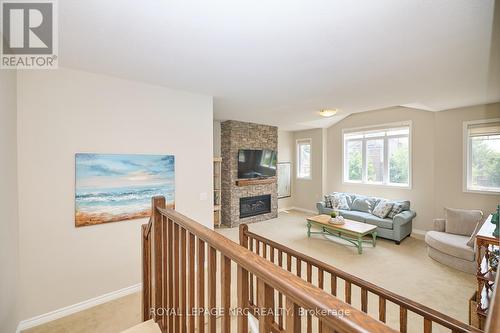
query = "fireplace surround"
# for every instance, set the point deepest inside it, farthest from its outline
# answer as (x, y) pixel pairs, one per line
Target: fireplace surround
(236, 135)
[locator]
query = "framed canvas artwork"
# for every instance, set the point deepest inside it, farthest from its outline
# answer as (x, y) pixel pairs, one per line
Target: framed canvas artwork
(284, 174)
(119, 187)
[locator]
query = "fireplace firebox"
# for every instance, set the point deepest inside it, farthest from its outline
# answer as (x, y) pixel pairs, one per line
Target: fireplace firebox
(251, 206)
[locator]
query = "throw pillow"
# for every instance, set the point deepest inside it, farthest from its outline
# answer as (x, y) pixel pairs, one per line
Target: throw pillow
(398, 207)
(383, 208)
(363, 204)
(328, 201)
(339, 201)
(462, 222)
(472, 238)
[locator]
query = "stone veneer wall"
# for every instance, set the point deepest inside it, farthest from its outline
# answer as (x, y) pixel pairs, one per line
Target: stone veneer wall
(237, 135)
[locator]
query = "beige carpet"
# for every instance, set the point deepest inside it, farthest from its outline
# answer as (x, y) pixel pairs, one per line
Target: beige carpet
(405, 269)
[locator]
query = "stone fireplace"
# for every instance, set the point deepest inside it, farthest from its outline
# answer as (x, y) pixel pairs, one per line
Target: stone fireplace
(246, 202)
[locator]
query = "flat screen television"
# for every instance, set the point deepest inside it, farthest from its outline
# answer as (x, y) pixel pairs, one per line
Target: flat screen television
(256, 163)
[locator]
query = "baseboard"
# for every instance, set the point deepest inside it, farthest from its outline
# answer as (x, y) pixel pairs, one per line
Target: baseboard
(418, 234)
(62, 312)
(284, 210)
(303, 210)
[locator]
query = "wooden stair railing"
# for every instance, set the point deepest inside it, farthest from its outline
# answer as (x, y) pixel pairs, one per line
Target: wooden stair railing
(493, 319)
(294, 261)
(181, 262)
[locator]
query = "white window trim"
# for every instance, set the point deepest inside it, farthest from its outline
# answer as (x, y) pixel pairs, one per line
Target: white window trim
(297, 142)
(409, 124)
(466, 157)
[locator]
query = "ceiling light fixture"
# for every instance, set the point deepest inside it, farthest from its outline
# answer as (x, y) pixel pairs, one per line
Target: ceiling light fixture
(328, 112)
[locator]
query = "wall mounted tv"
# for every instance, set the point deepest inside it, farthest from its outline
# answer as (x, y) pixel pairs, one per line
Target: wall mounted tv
(256, 163)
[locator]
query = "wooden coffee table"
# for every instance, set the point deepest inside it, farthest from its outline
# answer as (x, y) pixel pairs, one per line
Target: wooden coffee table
(351, 231)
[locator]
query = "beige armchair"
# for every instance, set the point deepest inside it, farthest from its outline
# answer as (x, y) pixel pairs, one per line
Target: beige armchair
(452, 241)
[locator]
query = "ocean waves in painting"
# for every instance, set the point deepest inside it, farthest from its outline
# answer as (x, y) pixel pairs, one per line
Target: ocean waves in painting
(126, 200)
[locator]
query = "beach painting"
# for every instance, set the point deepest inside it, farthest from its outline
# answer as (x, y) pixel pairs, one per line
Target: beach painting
(119, 187)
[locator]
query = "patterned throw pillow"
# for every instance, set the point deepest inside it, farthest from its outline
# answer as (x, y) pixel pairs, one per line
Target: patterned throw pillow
(398, 207)
(383, 208)
(339, 201)
(328, 201)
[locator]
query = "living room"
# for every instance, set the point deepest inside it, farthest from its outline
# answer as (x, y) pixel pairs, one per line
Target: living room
(250, 167)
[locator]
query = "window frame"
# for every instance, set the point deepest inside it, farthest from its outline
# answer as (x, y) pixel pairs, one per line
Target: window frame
(467, 161)
(298, 142)
(364, 175)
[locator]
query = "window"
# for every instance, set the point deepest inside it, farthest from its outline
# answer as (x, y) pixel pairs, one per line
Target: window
(378, 156)
(482, 142)
(304, 159)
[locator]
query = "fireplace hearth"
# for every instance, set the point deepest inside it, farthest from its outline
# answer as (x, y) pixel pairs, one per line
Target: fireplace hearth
(251, 206)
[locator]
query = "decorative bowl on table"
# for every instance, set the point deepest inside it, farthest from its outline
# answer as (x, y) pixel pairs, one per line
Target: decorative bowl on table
(338, 220)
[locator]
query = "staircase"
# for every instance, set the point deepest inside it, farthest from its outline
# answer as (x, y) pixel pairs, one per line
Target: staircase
(196, 280)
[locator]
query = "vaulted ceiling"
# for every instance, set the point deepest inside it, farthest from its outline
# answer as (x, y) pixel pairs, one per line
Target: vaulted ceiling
(279, 62)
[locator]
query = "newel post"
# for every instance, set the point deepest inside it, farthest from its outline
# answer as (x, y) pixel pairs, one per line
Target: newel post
(243, 235)
(157, 202)
(243, 285)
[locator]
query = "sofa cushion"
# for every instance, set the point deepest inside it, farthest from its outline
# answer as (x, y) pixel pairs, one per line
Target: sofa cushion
(339, 201)
(363, 204)
(383, 208)
(454, 245)
(461, 221)
(355, 215)
(382, 223)
(398, 207)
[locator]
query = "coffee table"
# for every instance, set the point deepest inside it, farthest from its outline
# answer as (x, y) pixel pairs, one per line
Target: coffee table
(351, 231)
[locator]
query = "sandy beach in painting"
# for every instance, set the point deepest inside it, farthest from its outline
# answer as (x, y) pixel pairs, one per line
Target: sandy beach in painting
(112, 188)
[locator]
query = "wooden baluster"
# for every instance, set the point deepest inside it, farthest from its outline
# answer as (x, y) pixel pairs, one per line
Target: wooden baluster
(251, 275)
(201, 285)
(427, 325)
(348, 292)
(166, 290)
(212, 288)
(271, 256)
(333, 283)
(292, 317)
(243, 298)
(171, 270)
(265, 302)
(364, 300)
(192, 291)
(183, 303)
(309, 279)
(176, 278)
(320, 285)
(157, 202)
(264, 250)
(280, 295)
(242, 285)
(288, 262)
(146, 273)
(381, 309)
(225, 287)
(403, 319)
(298, 263)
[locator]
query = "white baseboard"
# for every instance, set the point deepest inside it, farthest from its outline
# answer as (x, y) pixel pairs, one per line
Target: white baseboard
(284, 210)
(418, 234)
(303, 210)
(62, 312)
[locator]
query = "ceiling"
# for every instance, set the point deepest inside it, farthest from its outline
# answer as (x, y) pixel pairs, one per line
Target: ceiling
(279, 62)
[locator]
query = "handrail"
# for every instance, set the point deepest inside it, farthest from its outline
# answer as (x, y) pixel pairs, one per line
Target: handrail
(299, 291)
(426, 312)
(493, 320)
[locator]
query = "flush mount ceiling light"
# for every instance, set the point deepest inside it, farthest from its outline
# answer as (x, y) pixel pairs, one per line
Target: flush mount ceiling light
(328, 112)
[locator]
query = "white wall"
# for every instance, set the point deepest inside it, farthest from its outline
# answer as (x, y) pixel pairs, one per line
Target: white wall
(62, 112)
(8, 203)
(286, 154)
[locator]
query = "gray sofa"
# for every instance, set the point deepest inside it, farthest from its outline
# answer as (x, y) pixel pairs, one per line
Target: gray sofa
(396, 228)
